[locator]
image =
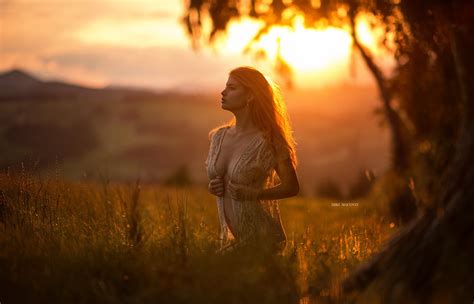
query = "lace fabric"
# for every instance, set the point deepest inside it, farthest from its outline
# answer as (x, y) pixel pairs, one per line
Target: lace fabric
(257, 221)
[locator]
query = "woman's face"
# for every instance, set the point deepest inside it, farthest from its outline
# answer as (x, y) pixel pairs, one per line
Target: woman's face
(234, 96)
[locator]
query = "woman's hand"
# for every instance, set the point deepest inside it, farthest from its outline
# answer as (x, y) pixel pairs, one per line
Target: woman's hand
(241, 192)
(216, 186)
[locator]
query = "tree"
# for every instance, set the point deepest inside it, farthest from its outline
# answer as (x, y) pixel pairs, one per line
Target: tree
(432, 44)
(430, 258)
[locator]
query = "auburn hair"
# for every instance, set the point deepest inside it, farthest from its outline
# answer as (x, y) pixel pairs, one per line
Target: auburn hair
(267, 109)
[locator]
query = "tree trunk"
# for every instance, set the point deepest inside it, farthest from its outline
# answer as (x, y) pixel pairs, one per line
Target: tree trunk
(403, 206)
(430, 261)
(398, 149)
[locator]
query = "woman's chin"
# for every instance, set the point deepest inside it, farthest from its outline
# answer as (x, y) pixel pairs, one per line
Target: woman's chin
(230, 107)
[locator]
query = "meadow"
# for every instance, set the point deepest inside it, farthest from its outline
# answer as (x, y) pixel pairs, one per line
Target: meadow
(107, 242)
(85, 215)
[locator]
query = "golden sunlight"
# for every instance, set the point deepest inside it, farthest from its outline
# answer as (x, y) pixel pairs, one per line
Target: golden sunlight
(303, 49)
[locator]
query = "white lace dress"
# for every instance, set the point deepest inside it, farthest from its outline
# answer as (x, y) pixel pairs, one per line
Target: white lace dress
(258, 222)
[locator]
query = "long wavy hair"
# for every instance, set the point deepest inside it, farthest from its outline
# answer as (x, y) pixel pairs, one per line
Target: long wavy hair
(267, 109)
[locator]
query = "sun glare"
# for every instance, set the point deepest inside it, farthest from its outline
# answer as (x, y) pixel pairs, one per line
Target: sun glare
(303, 49)
(307, 49)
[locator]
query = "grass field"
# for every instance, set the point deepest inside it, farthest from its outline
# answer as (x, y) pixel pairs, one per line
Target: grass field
(103, 242)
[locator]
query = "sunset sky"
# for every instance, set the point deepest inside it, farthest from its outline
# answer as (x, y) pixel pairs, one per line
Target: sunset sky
(141, 43)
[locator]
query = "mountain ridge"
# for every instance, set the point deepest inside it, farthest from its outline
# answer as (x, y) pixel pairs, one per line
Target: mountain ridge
(17, 85)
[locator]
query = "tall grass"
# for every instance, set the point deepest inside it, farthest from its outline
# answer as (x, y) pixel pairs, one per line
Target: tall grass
(84, 242)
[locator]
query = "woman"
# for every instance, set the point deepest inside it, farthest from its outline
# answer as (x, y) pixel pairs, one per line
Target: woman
(251, 163)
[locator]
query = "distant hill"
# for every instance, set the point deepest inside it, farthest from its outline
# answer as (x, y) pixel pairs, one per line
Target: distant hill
(18, 85)
(18, 79)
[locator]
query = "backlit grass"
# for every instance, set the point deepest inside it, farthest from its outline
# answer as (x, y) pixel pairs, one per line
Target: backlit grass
(103, 242)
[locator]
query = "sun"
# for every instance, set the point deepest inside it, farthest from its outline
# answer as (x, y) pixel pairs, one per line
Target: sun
(305, 50)
(308, 49)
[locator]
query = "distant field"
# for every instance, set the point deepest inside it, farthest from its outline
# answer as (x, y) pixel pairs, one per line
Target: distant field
(337, 134)
(107, 242)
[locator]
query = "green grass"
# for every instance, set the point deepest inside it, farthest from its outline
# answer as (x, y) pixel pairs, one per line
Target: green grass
(104, 242)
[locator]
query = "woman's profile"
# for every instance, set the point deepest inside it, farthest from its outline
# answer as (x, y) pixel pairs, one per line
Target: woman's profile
(251, 163)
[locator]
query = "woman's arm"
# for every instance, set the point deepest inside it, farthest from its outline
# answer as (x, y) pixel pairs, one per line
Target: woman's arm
(289, 185)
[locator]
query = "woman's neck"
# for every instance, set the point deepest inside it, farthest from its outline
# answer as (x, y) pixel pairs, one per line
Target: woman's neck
(243, 122)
